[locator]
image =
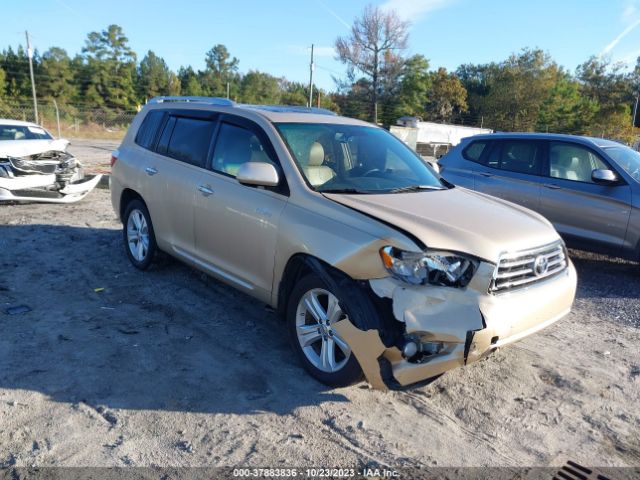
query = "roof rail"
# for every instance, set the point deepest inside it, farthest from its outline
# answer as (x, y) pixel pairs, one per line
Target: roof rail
(223, 102)
(288, 109)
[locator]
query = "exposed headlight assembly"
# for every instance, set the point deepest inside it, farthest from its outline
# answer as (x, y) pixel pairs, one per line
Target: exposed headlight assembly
(446, 269)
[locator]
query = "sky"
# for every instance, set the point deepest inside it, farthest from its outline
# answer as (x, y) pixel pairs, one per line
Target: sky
(275, 36)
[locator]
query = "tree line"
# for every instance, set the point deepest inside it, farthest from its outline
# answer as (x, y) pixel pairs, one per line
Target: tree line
(107, 75)
(528, 91)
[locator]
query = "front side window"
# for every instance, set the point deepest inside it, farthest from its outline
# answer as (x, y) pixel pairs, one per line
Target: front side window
(355, 159)
(23, 132)
(235, 146)
(573, 162)
(190, 140)
(627, 158)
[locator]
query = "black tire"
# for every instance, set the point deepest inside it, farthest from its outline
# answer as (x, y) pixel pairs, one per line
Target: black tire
(350, 372)
(134, 207)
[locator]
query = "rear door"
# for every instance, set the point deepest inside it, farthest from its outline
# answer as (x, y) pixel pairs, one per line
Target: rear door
(589, 215)
(460, 165)
(512, 170)
(137, 168)
(236, 226)
(173, 173)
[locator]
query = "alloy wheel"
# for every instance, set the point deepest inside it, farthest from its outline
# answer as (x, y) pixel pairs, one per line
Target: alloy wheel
(138, 235)
(318, 310)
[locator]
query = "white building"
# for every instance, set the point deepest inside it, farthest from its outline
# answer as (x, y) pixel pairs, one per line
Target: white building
(432, 139)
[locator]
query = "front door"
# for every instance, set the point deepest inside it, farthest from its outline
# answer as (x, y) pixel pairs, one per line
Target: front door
(590, 215)
(236, 226)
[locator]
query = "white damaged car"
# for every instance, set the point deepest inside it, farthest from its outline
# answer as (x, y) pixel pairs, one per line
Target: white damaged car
(35, 167)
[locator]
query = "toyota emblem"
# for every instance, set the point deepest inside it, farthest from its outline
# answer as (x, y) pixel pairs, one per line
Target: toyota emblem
(540, 265)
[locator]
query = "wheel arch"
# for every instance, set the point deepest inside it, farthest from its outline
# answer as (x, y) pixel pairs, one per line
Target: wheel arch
(126, 197)
(369, 310)
(297, 267)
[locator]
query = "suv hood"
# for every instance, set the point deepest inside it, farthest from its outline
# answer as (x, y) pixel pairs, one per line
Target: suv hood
(457, 220)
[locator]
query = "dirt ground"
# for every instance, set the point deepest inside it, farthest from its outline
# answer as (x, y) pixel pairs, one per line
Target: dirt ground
(171, 368)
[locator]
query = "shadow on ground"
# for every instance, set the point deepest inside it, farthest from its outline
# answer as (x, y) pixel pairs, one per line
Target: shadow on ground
(104, 334)
(170, 338)
(604, 276)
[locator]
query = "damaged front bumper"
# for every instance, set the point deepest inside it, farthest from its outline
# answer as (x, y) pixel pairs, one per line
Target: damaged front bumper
(454, 326)
(50, 177)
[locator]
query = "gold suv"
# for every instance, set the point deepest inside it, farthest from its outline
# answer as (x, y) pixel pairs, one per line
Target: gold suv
(379, 266)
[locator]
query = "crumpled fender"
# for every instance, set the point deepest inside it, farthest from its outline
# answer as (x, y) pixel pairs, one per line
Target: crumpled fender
(439, 314)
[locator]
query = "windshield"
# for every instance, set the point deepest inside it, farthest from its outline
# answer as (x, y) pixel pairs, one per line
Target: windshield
(23, 132)
(356, 159)
(627, 159)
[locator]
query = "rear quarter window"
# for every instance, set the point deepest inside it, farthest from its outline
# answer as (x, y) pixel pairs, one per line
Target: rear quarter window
(474, 150)
(149, 129)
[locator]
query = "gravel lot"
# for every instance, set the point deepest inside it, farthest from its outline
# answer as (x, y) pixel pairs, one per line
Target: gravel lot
(171, 368)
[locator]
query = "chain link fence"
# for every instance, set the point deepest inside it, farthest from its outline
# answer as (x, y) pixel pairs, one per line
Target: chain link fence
(72, 120)
(78, 121)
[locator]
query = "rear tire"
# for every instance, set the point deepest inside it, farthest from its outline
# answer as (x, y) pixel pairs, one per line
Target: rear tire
(311, 311)
(139, 238)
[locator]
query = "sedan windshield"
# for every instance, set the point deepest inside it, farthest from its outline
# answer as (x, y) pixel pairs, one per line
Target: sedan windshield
(356, 159)
(628, 159)
(23, 132)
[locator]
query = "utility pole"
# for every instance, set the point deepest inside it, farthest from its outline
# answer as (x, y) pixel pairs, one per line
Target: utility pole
(311, 68)
(55, 104)
(33, 83)
(227, 90)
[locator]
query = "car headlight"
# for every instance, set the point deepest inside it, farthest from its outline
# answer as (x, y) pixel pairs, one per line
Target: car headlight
(432, 267)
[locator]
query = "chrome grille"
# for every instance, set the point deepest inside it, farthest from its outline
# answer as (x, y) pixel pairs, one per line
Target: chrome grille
(521, 269)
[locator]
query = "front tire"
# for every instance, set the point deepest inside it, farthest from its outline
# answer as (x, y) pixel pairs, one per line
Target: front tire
(312, 310)
(139, 239)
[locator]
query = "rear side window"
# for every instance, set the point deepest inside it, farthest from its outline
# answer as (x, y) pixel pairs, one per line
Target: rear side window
(474, 150)
(517, 156)
(190, 140)
(163, 143)
(149, 129)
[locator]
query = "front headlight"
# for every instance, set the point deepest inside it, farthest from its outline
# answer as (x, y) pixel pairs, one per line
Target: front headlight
(432, 267)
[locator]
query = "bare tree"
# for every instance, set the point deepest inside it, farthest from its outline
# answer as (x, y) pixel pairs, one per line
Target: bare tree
(374, 48)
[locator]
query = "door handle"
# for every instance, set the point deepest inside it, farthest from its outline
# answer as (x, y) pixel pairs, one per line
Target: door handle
(151, 171)
(205, 190)
(486, 174)
(551, 186)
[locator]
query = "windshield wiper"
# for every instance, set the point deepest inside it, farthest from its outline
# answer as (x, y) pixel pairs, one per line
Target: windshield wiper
(344, 190)
(414, 188)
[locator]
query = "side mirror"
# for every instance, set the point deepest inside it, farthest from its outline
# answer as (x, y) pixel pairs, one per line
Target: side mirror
(435, 165)
(604, 176)
(258, 173)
